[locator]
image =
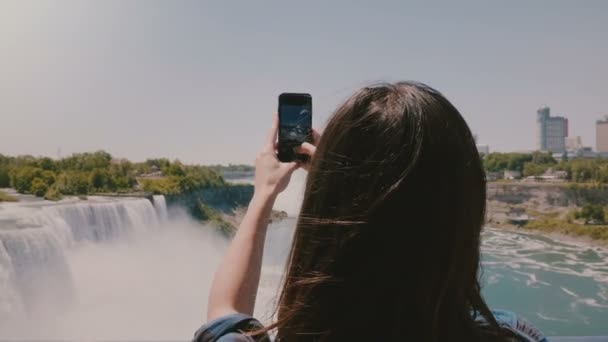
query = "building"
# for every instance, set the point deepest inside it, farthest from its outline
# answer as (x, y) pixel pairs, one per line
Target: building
(550, 176)
(493, 176)
(582, 153)
(512, 174)
(551, 131)
(601, 136)
(574, 143)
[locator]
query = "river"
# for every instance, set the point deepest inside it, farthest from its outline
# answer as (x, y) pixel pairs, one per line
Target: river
(127, 269)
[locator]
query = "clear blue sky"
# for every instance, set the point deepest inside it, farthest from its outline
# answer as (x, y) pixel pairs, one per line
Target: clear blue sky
(199, 80)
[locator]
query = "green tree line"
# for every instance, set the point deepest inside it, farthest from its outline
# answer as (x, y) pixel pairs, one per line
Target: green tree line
(181, 178)
(582, 170)
(99, 172)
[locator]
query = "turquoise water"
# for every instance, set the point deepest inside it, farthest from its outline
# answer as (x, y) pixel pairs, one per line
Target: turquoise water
(561, 288)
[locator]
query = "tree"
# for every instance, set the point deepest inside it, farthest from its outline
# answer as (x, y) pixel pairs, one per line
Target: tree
(122, 182)
(25, 160)
(46, 163)
(543, 158)
(53, 194)
(73, 183)
(532, 169)
(582, 170)
(100, 179)
(517, 161)
(83, 172)
(161, 164)
(592, 212)
(5, 167)
(98, 160)
(176, 169)
(39, 187)
(48, 177)
(79, 183)
(5, 179)
(122, 167)
(86, 161)
(162, 186)
(497, 162)
(21, 178)
(602, 173)
(186, 184)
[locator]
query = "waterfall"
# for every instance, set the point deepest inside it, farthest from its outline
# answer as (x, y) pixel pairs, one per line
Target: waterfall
(34, 237)
(37, 270)
(10, 301)
(160, 204)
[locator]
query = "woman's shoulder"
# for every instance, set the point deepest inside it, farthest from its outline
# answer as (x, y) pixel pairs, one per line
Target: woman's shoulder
(523, 329)
(230, 328)
(233, 328)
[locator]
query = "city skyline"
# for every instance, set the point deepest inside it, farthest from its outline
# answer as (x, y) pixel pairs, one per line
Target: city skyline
(571, 140)
(199, 81)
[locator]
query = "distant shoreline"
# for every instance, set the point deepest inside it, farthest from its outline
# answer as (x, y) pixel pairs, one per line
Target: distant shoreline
(547, 209)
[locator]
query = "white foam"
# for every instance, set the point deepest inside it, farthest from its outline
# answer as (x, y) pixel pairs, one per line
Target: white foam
(569, 292)
(592, 302)
(524, 250)
(549, 318)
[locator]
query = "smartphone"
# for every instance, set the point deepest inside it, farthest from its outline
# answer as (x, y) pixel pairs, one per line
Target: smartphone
(295, 125)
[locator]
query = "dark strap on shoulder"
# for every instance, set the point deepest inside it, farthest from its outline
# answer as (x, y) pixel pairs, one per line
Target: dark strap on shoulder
(230, 328)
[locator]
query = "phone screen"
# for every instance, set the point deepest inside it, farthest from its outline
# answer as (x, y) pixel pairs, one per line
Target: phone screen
(295, 125)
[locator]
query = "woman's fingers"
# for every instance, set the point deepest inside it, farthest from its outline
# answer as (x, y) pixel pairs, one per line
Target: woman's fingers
(307, 149)
(272, 134)
(290, 167)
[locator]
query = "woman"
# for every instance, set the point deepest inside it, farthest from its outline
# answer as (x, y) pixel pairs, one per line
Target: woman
(387, 244)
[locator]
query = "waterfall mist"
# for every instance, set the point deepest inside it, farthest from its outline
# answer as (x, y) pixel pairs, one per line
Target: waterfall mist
(154, 287)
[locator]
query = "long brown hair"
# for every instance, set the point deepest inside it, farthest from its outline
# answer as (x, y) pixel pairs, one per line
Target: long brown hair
(387, 242)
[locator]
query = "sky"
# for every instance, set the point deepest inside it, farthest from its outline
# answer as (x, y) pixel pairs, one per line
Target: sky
(199, 80)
